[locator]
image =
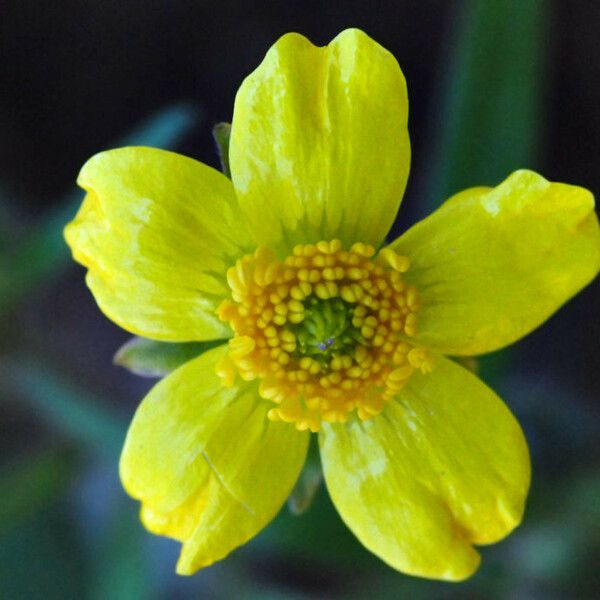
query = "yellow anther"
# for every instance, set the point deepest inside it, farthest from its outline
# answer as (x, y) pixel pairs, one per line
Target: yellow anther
(412, 298)
(313, 403)
(401, 373)
(296, 293)
(281, 308)
(332, 288)
(396, 324)
(419, 358)
(305, 287)
(287, 336)
(335, 377)
(233, 280)
(240, 346)
(329, 274)
(302, 375)
(384, 314)
(367, 331)
(295, 306)
(397, 262)
(335, 246)
(336, 363)
(321, 291)
(319, 260)
(410, 325)
(360, 311)
(268, 392)
(378, 340)
(382, 285)
(323, 247)
(347, 294)
(361, 353)
(355, 273)
(314, 275)
(355, 371)
(226, 371)
(315, 368)
(363, 249)
(305, 362)
(351, 259)
(267, 306)
(371, 321)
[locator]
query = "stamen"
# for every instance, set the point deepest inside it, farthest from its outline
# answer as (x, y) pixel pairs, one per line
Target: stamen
(325, 330)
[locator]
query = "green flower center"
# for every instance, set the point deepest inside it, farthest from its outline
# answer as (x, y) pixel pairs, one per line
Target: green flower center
(326, 330)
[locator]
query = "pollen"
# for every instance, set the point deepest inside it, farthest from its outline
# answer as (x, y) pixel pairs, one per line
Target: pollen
(327, 332)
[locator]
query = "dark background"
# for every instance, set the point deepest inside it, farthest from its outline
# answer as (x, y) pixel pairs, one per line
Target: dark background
(493, 85)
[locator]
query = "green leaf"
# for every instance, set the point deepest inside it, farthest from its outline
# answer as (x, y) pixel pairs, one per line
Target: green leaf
(308, 484)
(150, 358)
(221, 133)
(43, 251)
(491, 112)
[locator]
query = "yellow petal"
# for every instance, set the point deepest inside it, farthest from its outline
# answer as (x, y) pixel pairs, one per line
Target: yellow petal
(319, 142)
(443, 467)
(494, 263)
(157, 232)
(208, 465)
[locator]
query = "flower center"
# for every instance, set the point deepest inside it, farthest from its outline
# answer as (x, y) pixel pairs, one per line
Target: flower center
(325, 330)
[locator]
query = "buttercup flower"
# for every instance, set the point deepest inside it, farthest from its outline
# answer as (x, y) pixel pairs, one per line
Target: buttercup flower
(326, 329)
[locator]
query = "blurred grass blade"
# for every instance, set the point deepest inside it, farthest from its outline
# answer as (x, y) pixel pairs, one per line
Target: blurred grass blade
(150, 358)
(490, 114)
(44, 251)
(32, 484)
(122, 569)
(43, 559)
(71, 411)
(221, 133)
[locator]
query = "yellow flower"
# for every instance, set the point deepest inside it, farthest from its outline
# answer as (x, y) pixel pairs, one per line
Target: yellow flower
(327, 331)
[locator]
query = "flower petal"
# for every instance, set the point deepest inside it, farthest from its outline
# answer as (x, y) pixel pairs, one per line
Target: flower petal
(208, 465)
(443, 467)
(494, 263)
(157, 232)
(319, 142)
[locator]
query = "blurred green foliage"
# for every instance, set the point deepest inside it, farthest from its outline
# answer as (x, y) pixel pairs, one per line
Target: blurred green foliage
(66, 529)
